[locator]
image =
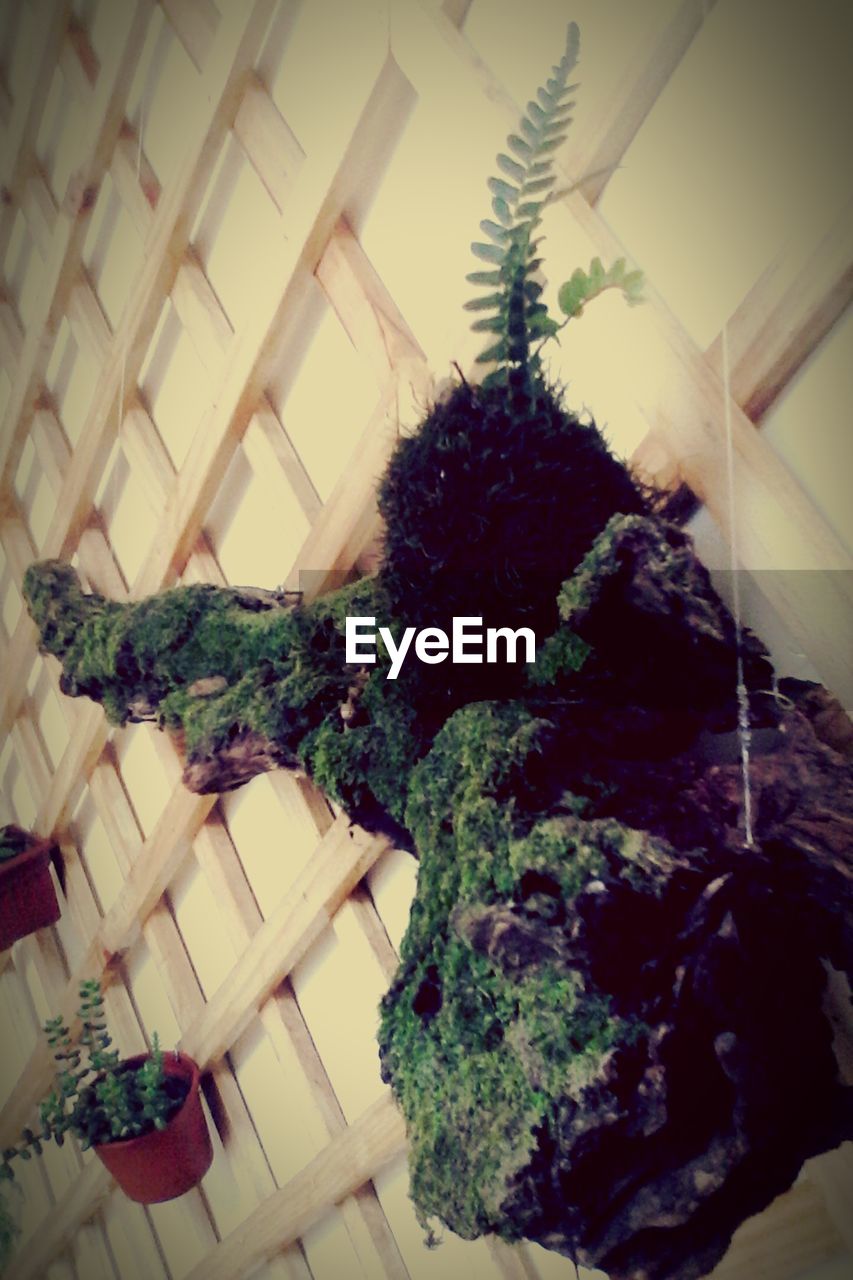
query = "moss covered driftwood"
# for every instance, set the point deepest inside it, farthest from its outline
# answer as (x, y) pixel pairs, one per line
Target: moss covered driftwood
(607, 1031)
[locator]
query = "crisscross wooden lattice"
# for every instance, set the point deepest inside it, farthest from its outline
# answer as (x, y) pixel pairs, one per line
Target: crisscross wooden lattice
(212, 328)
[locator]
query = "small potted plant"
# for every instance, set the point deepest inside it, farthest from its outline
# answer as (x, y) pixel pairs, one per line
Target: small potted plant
(142, 1115)
(27, 895)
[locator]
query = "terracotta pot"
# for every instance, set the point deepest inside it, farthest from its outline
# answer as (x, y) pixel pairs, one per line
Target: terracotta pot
(27, 896)
(167, 1162)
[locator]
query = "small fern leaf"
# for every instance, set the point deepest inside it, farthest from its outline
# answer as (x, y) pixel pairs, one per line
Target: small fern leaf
(511, 167)
(488, 252)
(484, 277)
(519, 146)
(489, 324)
(497, 351)
(503, 190)
(494, 231)
(501, 210)
(484, 304)
(515, 313)
(582, 287)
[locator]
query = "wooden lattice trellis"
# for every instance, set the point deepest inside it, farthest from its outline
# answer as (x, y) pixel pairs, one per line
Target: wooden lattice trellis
(150, 401)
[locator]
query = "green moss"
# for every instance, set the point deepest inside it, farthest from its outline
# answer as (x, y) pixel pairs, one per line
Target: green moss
(483, 1050)
(212, 663)
(364, 763)
(487, 514)
(561, 654)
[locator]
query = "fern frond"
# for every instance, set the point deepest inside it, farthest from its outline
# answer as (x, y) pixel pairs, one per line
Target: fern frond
(512, 312)
(519, 197)
(583, 286)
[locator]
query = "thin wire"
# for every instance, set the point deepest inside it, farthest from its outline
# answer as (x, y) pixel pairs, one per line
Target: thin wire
(123, 375)
(744, 729)
(140, 133)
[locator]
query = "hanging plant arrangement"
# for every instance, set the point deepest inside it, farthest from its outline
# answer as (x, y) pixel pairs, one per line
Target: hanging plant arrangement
(591, 1029)
(142, 1116)
(28, 900)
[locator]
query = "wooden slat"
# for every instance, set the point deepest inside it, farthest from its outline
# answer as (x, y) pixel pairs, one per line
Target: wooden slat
(87, 1193)
(268, 142)
(49, 25)
(350, 520)
(201, 314)
(599, 150)
(266, 443)
(235, 48)
(340, 1169)
(39, 208)
(367, 311)
(78, 61)
(777, 326)
(776, 333)
(343, 856)
(11, 336)
(135, 181)
(147, 455)
(51, 447)
(60, 273)
(322, 194)
(194, 22)
(88, 322)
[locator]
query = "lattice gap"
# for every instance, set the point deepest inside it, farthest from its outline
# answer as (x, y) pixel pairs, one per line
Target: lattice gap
(233, 240)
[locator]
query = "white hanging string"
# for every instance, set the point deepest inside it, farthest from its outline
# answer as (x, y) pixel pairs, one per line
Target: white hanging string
(139, 133)
(744, 730)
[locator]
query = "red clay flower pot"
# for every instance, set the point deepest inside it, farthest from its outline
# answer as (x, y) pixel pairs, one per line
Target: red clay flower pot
(27, 896)
(166, 1162)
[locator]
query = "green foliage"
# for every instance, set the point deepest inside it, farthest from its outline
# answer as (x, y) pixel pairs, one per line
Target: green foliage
(95, 1096)
(584, 286)
(562, 654)
(487, 513)
(364, 762)
(513, 313)
(276, 671)
(483, 1057)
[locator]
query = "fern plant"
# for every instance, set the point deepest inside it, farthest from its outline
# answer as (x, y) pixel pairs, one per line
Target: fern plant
(514, 314)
